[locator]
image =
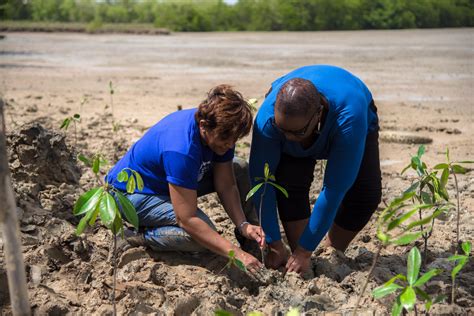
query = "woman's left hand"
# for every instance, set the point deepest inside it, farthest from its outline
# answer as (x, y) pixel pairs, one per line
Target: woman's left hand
(256, 233)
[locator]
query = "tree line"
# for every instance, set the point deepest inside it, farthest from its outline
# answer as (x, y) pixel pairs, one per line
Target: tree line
(249, 15)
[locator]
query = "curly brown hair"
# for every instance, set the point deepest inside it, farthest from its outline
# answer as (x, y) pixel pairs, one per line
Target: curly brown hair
(225, 112)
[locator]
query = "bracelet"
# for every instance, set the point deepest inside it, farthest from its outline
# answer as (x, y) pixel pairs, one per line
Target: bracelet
(242, 225)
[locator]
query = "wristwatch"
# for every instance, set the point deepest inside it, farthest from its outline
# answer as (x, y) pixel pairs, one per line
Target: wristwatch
(242, 226)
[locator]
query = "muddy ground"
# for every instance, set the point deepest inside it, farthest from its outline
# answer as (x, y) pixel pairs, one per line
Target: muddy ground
(422, 82)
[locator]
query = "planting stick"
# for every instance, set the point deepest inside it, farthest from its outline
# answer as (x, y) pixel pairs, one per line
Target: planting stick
(260, 218)
(374, 261)
(11, 232)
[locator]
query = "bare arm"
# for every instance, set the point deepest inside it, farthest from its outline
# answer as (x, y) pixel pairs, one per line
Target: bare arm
(185, 206)
(226, 188)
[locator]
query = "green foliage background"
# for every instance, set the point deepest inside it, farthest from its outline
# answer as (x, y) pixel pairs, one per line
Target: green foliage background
(249, 15)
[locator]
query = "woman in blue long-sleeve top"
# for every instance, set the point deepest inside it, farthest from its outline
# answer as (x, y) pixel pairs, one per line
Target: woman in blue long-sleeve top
(316, 112)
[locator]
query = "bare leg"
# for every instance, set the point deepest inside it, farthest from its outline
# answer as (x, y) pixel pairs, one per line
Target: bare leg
(293, 231)
(339, 237)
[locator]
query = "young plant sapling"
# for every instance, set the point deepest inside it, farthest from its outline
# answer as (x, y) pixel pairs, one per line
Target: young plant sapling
(115, 126)
(96, 162)
(411, 286)
(429, 190)
(461, 261)
(76, 118)
(267, 178)
(100, 203)
(233, 261)
(391, 229)
(453, 168)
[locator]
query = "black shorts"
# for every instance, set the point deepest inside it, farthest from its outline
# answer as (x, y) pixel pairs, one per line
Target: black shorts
(360, 202)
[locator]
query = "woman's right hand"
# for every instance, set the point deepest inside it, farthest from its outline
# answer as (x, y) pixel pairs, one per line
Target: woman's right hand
(277, 255)
(251, 263)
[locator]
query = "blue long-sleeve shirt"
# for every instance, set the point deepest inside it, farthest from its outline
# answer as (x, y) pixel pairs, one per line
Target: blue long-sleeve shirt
(341, 142)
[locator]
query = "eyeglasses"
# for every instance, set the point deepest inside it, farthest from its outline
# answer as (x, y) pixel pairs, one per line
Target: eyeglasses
(299, 133)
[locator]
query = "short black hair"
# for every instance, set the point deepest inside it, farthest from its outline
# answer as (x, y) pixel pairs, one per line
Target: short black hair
(297, 97)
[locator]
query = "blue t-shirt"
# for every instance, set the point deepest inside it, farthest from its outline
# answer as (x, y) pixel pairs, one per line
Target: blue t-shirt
(170, 152)
(341, 142)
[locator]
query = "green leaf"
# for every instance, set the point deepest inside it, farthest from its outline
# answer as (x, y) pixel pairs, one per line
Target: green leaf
(465, 161)
(108, 209)
(122, 176)
(239, 264)
(384, 238)
(406, 239)
(441, 166)
(444, 178)
(426, 277)
(397, 277)
(83, 223)
(402, 218)
(456, 257)
(266, 171)
(279, 188)
(272, 177)
(466, 247)
(385, 290)
(408, 298)
(413, 265)
(421, 151)
(84, 159)
(413, 187)
(76, 117)
(221, 312)
(231, 254)
(138, 177)
(400, 199)
(458, 267)
(416, 162)
(447, 154)
(131, 185)
(94, 215)
(252, 192)
(397, 307)
(88, 201)
(258, 179)
(128, 209)
(458, 169)
(96, 165)
(257, 313)
(405, 169)
(65, 123)
(117, 226)
(423, 221)
(83, 199)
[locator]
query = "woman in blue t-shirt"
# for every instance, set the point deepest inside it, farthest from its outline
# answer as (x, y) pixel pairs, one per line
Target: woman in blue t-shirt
(312, 113)
(187, 154)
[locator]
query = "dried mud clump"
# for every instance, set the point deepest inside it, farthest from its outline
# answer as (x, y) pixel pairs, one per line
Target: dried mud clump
(40, 162)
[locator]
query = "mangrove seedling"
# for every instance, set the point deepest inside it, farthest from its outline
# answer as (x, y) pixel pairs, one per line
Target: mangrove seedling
(96, 162)
(105, 202)
(411, 287)
(430, 190)
(391, 229)
(461, 261)
(267, 178)
(115, 125)
(76, 118)
(233, 261)
(453, 168)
